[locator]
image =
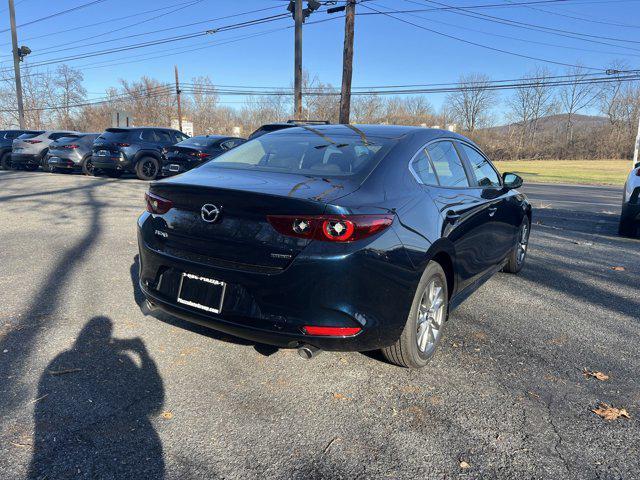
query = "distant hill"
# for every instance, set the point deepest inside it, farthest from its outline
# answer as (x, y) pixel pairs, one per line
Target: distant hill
(557, 122)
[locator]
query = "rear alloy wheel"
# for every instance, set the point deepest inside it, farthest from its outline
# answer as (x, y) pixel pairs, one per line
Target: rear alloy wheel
(518, 255)
(44, 163)
(423, 331)
(5, 161)
(87, 166)
(147, 168)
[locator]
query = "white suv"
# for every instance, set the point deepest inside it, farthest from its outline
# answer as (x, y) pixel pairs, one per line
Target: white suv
(29, 150)
(630, 216)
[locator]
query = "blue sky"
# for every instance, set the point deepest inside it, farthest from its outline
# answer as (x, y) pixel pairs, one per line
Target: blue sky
(387, 51)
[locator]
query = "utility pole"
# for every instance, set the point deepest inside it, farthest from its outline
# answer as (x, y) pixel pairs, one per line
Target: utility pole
(347, 62)
(16, 63)
(178, 92)
(637, 147)
(297, 69)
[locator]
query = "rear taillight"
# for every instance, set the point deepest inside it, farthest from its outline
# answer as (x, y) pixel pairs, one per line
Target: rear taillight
(33, 141)
(638, 173)
(201, 155)
(331, 331)
(156, 204)
(330, 228)
(71, 147)
(123, 144)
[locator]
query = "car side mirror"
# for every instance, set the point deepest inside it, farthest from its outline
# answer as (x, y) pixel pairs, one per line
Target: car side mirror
(511, 180)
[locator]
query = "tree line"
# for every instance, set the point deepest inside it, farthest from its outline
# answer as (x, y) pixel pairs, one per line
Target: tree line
(541, 119)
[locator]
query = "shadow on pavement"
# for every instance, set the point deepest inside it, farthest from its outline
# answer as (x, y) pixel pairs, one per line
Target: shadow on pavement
(92, 419)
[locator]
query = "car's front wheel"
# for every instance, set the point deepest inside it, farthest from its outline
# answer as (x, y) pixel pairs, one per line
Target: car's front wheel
(425, 324)
(147, 168)
(627, 228)
(5, 161)
(518, 255)
(44, 163)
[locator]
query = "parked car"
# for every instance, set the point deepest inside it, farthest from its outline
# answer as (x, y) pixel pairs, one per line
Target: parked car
(336, 238)
(29, 150)
(274, 127)
(630, 215)
(194, 151)
(133, 149)
(72, 153)
(6, 140)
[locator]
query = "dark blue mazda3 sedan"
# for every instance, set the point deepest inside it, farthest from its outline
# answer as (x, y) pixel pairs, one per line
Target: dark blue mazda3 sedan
(333, 237)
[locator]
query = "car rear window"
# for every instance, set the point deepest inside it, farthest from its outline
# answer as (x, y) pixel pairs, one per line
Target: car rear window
(306, 153)
(30, 135)
(198, 142)
(115, 135)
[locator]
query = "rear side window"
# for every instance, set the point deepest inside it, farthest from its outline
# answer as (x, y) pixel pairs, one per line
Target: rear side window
(423, 169)
(115, 135)
(447, 164)
(164, 136)
(483, 171)
(29, 135)
(229, 144)
(148, 136)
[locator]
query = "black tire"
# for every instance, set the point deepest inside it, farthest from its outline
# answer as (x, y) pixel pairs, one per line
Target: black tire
(87, 166)
(627, 228)
(517, 257)
(405, 352)
(114, 173)
(5, 161)
(44, 162)
(147, 168)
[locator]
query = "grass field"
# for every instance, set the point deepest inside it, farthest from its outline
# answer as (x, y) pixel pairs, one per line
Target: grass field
(589, 172)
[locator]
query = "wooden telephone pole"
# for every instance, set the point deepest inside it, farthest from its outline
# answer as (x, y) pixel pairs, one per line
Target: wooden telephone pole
(297, 69)
(347, 62)
(16, 63)
(178, 96)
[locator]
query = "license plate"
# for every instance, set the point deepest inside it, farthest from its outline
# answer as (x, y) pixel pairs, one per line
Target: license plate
(54, 160)
(200, 292)
(103, 153)
(174, 168)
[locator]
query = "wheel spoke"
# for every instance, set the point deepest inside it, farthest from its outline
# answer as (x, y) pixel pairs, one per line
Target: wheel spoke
(424, 339)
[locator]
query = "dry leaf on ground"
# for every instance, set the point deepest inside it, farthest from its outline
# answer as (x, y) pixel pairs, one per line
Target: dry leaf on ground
(340, 396)
(618, 269)
(167, 415)
(595, 374)
(464, 465)
(608, 412)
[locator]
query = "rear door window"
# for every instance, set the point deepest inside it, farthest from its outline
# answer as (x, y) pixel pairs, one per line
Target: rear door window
(447, 164)
(484, 173)
(164, 137)
(423, 169)
(148, 136)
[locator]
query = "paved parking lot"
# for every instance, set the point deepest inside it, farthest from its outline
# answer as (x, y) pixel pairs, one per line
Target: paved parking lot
(93, 388)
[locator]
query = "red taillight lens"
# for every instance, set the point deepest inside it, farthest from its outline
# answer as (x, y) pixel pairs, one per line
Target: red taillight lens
(331, 331)
(201, 155)
(330, 228)
(156, 204)
(71, 146)
(123, 144)
(33, 141)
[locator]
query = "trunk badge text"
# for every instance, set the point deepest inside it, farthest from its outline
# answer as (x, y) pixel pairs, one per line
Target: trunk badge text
(209, 212)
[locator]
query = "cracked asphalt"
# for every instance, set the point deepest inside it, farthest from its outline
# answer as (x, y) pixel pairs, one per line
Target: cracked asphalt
(94, 388)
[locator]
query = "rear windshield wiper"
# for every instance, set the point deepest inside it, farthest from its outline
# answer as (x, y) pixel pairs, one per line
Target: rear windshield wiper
(337, 145)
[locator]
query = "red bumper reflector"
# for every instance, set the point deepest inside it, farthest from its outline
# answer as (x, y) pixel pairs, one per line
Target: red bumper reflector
(331, 331)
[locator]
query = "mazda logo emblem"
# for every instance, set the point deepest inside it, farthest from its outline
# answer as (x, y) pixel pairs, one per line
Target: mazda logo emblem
(209, 212)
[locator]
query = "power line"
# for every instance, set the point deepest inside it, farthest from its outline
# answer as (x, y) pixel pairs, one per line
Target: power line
(459, 10)
(57, 14)
(500, 50)
(75, 46)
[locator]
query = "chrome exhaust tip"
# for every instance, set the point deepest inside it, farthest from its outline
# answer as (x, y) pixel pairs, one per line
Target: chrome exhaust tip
(308, 351)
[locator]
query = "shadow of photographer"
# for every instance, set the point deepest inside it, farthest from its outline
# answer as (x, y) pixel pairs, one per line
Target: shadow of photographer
(94, 409)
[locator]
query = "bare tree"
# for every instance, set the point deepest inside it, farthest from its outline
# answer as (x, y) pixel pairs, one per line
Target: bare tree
(574, 97)
(69, 91)
(471, 106)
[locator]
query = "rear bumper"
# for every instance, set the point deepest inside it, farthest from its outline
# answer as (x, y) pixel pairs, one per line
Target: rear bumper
(170, 167)
(21, 159)
(356, 290)
(110, 163)
(62, 163)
